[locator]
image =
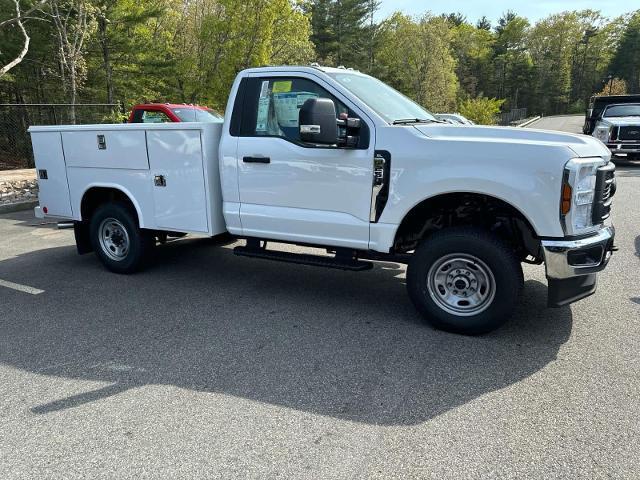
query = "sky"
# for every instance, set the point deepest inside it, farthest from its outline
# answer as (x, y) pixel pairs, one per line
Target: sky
(532, 9)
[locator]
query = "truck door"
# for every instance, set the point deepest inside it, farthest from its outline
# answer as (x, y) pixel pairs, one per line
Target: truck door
(51, 171)
(295, 191)
(175, 160)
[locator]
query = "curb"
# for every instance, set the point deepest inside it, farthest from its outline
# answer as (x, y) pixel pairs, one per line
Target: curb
(19, 206)
(529, 122)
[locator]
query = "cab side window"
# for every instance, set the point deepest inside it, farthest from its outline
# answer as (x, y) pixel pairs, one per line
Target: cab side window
(277, 106)
(154, 116)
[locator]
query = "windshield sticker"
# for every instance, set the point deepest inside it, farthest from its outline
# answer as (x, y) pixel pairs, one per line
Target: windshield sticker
(282, 86)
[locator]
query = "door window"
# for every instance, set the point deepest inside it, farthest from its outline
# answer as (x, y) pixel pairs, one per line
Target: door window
(277, 105)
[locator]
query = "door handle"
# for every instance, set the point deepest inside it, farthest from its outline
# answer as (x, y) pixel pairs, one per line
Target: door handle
(256, 159)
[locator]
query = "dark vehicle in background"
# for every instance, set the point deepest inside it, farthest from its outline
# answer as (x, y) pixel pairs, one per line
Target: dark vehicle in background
(172, 112)
(598, 103)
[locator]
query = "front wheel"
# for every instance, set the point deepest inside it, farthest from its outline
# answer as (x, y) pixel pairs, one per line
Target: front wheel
(117, 240)
(464, 280)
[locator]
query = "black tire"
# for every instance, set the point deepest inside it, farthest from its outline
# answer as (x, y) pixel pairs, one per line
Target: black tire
(140, 242)
(498, 265)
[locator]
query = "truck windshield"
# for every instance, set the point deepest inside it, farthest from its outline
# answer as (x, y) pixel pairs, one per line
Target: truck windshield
(384, 100)
(632, 110)
(190, 114)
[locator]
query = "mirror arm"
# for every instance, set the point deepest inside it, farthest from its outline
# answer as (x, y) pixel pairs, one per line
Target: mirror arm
(347, 127)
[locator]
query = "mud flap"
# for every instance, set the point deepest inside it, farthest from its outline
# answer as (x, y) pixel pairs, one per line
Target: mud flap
(569, 290)
(83, 241)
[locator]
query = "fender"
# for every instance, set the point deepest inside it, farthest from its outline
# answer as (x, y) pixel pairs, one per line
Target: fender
(487, 193)
(524, 173)
(78, 213)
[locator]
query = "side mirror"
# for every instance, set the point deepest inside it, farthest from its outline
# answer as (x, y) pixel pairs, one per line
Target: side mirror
(317, 122)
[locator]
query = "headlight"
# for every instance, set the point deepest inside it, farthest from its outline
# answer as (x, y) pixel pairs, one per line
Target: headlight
(578, 189)
(602, 133)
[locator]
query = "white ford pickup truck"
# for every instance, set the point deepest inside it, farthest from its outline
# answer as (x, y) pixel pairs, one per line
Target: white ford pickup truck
(336, 159)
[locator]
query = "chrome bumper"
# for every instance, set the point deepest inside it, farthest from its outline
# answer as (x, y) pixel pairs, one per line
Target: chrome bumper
(571, 258)
(618, 148)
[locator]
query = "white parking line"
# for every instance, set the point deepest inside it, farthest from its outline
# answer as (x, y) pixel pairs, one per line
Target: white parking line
(20, 288)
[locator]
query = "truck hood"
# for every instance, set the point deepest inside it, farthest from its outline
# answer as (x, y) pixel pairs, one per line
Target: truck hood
(621, 121)
(581, 145)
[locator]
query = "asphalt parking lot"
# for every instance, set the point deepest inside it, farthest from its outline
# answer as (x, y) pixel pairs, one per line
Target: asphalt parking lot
(209, 365)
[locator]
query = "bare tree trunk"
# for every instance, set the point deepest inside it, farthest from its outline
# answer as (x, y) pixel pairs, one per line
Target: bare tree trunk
(71, 32)
(25, 47)
(106, 60)
(74, 93)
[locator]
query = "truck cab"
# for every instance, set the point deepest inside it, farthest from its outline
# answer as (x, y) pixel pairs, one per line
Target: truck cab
(336, 159)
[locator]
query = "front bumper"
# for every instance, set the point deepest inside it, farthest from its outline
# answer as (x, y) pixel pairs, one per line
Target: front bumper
(624, 148)
(572, 265)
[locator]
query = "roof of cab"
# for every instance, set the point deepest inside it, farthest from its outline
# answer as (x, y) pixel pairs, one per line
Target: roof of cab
(171, 105)
(314, 68)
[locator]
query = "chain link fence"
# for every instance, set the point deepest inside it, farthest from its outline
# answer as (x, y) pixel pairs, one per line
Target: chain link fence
(15, 119)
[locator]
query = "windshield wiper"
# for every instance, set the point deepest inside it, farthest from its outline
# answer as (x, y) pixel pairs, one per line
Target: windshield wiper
(408, 121)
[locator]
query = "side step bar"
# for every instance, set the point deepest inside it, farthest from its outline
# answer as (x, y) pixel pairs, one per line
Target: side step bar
(341, 261)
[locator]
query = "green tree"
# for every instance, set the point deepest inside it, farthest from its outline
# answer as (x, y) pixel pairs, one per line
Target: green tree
(473, 50)
(218, 38)
(552, 44)
(481, 110)
(512, 64)
(591, 54)
(343, 31)
(425, 70)
(615, 86)
(455, 19)
(484, 24)
(626, 62)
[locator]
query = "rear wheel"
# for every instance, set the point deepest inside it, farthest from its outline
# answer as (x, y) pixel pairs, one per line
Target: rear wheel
(464, 280)
(119, 243)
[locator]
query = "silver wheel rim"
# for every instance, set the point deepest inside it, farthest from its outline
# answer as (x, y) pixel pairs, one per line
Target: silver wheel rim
(461, 284)
(114, 239)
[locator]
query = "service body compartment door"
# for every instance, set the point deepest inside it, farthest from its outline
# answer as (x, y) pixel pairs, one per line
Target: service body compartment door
(52, 174)
(175, 158)
(119, 148)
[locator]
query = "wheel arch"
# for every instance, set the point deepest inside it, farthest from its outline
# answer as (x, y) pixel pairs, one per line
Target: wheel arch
(97, 194)
(486, 206)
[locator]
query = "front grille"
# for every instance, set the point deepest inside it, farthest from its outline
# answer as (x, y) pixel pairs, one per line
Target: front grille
(605, 189)
(629, 133)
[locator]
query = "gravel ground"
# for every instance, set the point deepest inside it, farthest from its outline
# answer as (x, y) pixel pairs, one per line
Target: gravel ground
(209, 365)
(17, 186)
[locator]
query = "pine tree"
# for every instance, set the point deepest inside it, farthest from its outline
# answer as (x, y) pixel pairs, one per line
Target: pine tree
(626, 62)
(343, 31)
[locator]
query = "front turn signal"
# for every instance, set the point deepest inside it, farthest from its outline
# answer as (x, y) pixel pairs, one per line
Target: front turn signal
(565, 205)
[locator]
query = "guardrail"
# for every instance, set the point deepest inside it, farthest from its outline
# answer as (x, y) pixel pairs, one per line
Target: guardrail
(530, 121)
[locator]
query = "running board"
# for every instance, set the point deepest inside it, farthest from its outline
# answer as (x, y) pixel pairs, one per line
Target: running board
(351, 264)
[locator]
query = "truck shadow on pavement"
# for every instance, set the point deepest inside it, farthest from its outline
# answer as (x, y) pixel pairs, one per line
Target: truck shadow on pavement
(345, 345)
